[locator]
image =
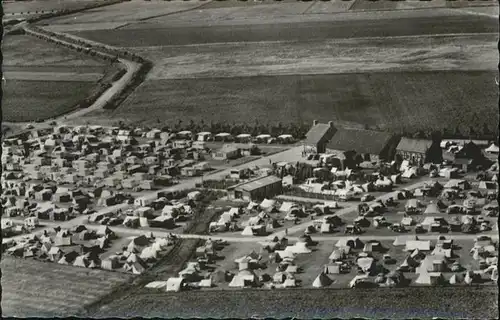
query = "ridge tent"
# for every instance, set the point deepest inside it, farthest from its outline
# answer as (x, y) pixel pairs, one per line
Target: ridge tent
(290, 283)
(366, 264)
(286, 206)
(81, 261)
(267, 204)
(421, 245)
(157, 285)
(321, 281)
(299, 247)
(429, 278)
(248, 231)
(455, 279)
(174, 284)
(357, 279)
(432, 208)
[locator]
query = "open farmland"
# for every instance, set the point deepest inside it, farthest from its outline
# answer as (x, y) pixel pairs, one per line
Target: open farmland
(322, 57)
(44, 80)
(129, 11)
(305, 31)
(24, 51)
(35, 289)
(32, 100)
(464, 302)
(11, 7)
(410, 101)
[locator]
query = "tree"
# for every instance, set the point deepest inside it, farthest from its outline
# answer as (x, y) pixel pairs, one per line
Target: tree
(486, 130)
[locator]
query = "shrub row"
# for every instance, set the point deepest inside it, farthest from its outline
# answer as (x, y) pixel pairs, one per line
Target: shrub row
(137, 78)
(54, 38)
(102, 51)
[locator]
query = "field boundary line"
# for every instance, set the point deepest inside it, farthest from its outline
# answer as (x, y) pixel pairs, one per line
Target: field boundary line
(309, 7)
(176, 12)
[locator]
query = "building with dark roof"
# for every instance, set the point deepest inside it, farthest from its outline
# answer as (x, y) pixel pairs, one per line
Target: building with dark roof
(318, 136)
(418, 151)
(370, 145)
(258, 189)
(469, 157)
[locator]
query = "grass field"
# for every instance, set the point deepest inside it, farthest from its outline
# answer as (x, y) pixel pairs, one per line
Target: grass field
(478, 303)
(26, 51)
(32, 100)
(152, 35)
(322, 57)
(37, 289)
(129, 11)
(396, 101)
(38, 5)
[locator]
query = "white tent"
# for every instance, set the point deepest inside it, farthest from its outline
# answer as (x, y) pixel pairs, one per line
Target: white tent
(493, 269)
(299, 247)
(407, 221)
(325, 228)
(267, 204)
(429, 278)
(290, 283)
(358, 278)
(471, 277)
(336, 255)
(149, 253)
(206, 283)
(321, 281)
(365, 264)
(401, 240)
(157, 285)
(455, 279)
(422, 245)
(285, 254)
(248, 231)
(174, 284)
(81, 261)
(493, 148)
(332, 268)
(432, 208)
(286, 206)
(243, 279)
(252, 205)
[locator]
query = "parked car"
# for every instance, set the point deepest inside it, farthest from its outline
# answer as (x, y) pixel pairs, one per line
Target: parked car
(419, 229)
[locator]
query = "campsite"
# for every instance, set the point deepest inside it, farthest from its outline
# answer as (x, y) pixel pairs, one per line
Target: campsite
(309, 159)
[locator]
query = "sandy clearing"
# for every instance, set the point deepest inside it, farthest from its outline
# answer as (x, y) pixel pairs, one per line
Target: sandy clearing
(52, 76)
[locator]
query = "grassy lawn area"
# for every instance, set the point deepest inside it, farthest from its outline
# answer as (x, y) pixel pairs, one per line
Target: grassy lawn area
(32, 100)
(32, 289)
(391, 101)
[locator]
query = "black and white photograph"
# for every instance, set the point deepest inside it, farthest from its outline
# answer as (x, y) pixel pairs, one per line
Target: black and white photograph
(263, 159)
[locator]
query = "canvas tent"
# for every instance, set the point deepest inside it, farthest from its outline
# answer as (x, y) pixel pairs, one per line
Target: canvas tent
(244, 278)
(429, 278)
(174, 284)
(422, 245)
(321, 281)
(432, 208)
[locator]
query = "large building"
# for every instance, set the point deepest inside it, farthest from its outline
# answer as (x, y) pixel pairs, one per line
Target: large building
(318, 136)
(418, 151)
(258, 189)
(369, 145)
